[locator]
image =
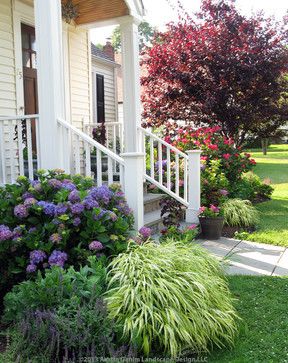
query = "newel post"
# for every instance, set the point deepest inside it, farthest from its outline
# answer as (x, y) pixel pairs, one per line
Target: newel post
(133, 185)
(194, 186)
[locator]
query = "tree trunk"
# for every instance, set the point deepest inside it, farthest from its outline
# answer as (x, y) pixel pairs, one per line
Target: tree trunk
(264, 143)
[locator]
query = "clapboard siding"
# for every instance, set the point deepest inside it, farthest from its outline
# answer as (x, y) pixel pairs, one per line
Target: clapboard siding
(79, 67)
(7, 62)
(109, 89)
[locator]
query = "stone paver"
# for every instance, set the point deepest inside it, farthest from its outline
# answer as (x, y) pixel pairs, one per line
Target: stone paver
(249, 258)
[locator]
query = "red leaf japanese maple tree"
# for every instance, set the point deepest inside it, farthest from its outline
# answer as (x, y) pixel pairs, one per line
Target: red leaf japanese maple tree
(218, 68)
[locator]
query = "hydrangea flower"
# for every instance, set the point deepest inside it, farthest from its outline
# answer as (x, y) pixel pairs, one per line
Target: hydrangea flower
(77, 208)
(21, 211)
(31, 268)
(145, 232)
(223, 192)
(76, 221)
(5, 233)
(27, 195)
(102, 194)
(17, 233)
(96, 246)
(60, 209)
(90, 203)
(37, 256)
(55, 183)
(74, 196)
(32, 229)
(55, 238)
(30, 201)
(57, 258)
(48, 207)
(68, 184)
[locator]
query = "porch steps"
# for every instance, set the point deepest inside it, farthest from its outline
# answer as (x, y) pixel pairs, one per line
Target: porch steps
(152, 211)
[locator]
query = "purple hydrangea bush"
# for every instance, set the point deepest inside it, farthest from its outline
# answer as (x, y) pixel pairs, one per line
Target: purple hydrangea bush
(59, 220)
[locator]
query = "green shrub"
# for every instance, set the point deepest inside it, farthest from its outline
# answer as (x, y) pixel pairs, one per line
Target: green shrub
(58, 219)
(240, 213)
(61, 315)
(169, 298)
(251, 187)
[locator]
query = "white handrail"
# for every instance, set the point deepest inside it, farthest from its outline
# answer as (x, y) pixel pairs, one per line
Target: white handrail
(112, 165)
(158, 177)
(91, 141)
(18, 118)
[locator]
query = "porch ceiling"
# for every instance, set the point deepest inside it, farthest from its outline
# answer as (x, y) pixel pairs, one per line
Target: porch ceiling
(99, 10)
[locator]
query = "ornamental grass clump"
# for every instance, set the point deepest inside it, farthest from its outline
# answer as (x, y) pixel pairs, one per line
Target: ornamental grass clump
(169, 298)
(240, 213)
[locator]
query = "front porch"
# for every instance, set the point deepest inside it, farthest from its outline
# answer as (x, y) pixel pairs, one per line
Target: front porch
(54, 138)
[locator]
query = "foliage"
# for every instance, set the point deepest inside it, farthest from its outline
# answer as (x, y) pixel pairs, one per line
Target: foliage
(58, 219)
(146, 34)
(45, 293)
(99, 133)
(186, 235)
(240, 213)
(170, 297)
(251, 187)
(214, 146)
(223, 68)
(171, 212)
(61, 315)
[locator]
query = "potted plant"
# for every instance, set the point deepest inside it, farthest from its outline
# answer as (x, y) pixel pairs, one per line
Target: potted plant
(211, 221)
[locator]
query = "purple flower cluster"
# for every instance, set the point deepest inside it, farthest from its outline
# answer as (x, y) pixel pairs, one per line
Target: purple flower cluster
(55, 183)
(102, 194)
(37, 256)
(30, 201)
(96, 246)
(48, 207)
(21, 211)
(145, 232)
(74, 196)
(68, 184)
(90, 203)
(60, 209)
(76, 221)
(5, 233)
(57, 258)
(77, 208)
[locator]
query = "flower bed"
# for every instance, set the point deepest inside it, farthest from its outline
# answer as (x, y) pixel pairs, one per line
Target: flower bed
(58, 220)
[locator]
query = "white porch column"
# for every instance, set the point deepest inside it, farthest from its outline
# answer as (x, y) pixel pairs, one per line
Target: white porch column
(194, 186)
(48, 27)
(131, 84)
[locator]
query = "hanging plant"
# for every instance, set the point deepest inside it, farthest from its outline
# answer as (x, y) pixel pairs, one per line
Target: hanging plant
(69, 11)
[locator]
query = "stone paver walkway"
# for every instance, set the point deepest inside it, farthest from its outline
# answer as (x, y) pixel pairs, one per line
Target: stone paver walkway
(249, 258)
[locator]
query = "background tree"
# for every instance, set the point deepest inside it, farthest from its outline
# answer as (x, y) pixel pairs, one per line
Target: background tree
(146, 34)
(222, 68)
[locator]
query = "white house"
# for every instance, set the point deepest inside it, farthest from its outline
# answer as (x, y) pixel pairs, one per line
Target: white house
(46, 99)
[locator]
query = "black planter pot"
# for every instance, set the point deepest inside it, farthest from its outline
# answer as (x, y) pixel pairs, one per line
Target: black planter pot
(211, 227)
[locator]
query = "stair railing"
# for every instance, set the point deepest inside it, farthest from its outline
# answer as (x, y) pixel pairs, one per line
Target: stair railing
(172, 171)
(18, 147)
(89, 157)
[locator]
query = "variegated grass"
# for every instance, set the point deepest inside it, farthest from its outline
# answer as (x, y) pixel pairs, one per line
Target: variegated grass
(170, 298)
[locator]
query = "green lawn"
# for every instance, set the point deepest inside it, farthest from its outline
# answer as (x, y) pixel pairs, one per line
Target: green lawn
(262, 304)
(273, 225)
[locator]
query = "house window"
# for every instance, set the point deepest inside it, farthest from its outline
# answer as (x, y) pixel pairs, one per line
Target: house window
(100, 102)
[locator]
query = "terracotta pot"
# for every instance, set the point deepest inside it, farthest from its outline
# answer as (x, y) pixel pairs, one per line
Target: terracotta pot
(211, 227)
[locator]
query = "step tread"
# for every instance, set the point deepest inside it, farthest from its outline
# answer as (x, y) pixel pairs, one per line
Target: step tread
(152, 197)
(152, 217)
